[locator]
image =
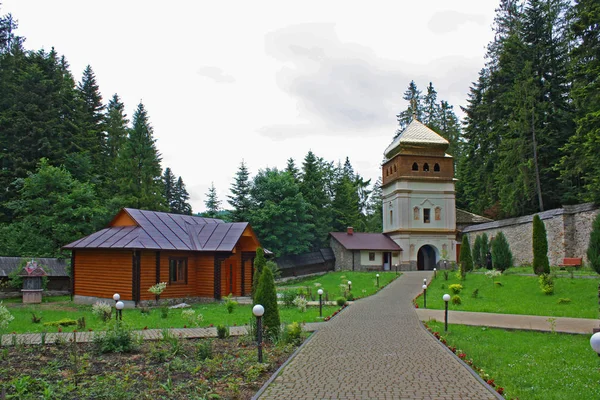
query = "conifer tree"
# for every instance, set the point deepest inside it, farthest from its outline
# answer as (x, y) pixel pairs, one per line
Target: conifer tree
(501, 255)
(292, 169)
(541, 265)
(413, 96)
(431, 109)
(259, 264)
(466, 260)
(266, 295)
(169, 191)
(593, 251)
(485, 248)
(116, 134)
(312, 188)
(240, 198)
(212, 202)
(477, 260)
(92, 138)
(181, 205)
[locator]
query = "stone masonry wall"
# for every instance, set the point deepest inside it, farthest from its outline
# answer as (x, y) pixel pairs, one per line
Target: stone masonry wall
(568, 231)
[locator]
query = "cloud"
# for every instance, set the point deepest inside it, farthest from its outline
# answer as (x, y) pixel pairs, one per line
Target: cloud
(448, 21)
(216, 74)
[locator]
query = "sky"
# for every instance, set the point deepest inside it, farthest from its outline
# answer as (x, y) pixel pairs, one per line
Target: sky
(263, 81)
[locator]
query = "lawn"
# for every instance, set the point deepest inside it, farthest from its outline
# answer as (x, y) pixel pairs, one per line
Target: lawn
(530, 365)
(334, 284)
(213, 314)
(528, 269)
(517, 295)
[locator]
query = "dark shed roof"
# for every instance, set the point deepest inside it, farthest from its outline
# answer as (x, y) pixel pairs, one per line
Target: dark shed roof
(53, 266)
(365, 241)
(165, 231)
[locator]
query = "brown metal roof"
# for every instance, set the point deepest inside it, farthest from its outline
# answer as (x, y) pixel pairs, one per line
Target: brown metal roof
(365, 241)
(165, 231)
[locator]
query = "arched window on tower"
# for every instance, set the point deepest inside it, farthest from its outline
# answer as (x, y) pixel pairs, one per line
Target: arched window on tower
(426, 167)
(436, 167)
(395, 168)
(391, 217)
(415, 167)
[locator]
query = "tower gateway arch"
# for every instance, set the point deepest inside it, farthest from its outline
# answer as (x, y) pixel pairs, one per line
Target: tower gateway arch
(419, 211)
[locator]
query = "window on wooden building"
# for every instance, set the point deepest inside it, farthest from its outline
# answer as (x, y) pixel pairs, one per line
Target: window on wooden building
(371, 256)
(426, 215)
(178, 270)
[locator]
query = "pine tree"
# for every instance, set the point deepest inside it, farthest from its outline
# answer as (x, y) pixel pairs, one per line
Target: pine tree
(116, 135)
(240, 195)
(501, 255)
(168, 181)
(541, 265)
(593, 251)
(312, 187)
(413, 96)
(181, 197)
(259, 264)
(266, 295)
(431, 109)
(212, 203)
(466, 260)
(292, 169)
(139, 166)
(346, 203)
(477, 260)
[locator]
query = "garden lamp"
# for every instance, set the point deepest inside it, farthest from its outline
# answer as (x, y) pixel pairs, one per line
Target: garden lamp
(377, 276)
(595, 342)
(349, 286)
(446, 299)
(435, 272)
(320, 292)
(424, 296)
(119, 306)
(116, 297)
(258, 312)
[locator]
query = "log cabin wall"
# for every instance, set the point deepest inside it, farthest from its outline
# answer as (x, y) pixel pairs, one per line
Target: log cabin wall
(102, 273)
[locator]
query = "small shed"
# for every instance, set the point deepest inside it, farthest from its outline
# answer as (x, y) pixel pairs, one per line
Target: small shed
(358, 251)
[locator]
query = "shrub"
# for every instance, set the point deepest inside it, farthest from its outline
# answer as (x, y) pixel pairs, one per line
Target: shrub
(593, 251)
(292, 333)
(259, 264)
(230, 304)
(5, 317)
(564, 300)
(341, 301)
(35, 319)
(102, 310)
(478, 261)
(288, 297)
(546, 284)
(501, 255)
(475, 293)
(456, 300)
(466, 261)
(189, 315)
(117, 339)
(164, 312)
(61, 322)
(204, 350)
(350, 296)
(272, 265)
(541, 265)
(266, 295)
(301, 303)
(484, 250)
(455, 288)
(222, 332)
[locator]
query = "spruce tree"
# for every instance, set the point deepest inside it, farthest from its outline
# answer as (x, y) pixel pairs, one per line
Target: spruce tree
(212, 202)
(116, 135)
(413, 96)
(485, 248)
(541, 265)
(292, 169)
(431, 109)
(240, 198)
(181, 204)
(593, 251)
(312, 188)
(259, 264)
(477, 260)
(266, 295)
(466, 260)
(168, 181)
(501, 255)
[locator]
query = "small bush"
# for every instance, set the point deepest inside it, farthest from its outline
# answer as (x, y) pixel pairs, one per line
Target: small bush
(230, 304)
(222, 332)
(35, 319)
(564, 300)
(189, 315)
(455, 288)
(301, 303)
(341, 301)
(61, 322)
(117, 339)
(456, 300)
(204, 350)
(102, 310)
(350, 296)
(5, 317)
(292, 333)
(164, 312)
(475, 293)
(288, 296)
(546, 284)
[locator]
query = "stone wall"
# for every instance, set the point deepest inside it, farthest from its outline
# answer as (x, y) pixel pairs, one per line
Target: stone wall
(568, 231)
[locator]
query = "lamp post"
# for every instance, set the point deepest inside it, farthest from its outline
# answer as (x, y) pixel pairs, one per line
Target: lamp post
(320, 292)
(595, 342)
(424, 296)
(258, 312)
(377, 276)
(434, 273)
(119, 306)
(349, 286)
(424, 281)
(446, 298)
(116, 298)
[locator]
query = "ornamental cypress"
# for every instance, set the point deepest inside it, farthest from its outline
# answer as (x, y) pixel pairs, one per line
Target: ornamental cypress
(259, 263)
(266, 295)
(593, 251)
(501, 255)
(540, 247)
(485, 249)
(477, 259)
(466, 261)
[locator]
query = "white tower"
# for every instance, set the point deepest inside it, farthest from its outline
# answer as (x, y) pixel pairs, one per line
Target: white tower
(419, 211)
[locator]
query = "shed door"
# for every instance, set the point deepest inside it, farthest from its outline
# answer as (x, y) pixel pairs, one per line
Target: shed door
(229, 278)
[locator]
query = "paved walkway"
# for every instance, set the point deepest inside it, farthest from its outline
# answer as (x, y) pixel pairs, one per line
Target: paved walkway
(377, 349)
(513, 321)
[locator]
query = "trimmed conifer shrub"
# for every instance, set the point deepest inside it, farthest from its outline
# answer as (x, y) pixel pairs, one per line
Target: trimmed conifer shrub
(466, 261)
(259, 264)
(478, 262)
(501, 255)
(485, 249)
(593, 251)
(541, 265)
(266, 295)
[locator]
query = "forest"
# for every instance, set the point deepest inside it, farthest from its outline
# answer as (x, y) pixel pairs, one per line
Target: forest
(528, 142)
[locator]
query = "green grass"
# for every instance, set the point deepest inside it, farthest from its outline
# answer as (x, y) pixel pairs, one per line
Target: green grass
(213, 313)
(530, 365)
(528, 269)
(518, 295)
(363, 283)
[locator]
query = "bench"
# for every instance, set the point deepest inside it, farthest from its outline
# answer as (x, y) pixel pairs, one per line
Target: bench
(571, 262)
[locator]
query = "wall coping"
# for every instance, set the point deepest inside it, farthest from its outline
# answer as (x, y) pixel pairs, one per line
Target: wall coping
(566, 210)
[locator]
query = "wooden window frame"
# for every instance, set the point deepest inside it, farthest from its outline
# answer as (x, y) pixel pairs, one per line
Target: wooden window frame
(371, 256)
(178, 281)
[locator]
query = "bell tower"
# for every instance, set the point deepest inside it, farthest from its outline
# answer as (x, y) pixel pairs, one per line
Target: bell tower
(419, 210)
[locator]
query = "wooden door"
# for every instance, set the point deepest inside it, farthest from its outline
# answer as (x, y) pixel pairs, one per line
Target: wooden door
(229, 278)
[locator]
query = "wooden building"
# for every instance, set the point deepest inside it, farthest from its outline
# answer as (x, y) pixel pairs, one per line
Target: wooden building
(197, 257)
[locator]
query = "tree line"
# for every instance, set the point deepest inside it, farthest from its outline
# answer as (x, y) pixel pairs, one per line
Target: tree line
(68, 161)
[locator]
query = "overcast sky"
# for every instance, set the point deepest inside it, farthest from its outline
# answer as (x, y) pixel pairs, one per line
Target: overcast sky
(263, 81)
